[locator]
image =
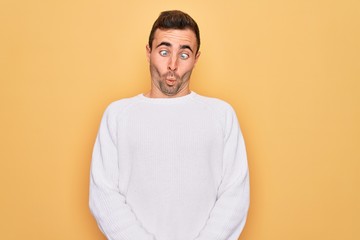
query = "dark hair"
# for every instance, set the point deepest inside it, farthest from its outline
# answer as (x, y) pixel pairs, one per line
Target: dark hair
(175, 19)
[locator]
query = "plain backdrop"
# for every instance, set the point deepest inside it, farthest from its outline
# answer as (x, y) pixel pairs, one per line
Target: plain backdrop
(291, 70)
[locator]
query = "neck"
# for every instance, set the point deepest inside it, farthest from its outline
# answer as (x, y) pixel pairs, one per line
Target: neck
(155, 93)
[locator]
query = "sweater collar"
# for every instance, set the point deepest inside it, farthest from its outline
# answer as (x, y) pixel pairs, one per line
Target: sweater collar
(167, 100)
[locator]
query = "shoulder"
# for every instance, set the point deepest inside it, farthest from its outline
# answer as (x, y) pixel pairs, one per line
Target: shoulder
(121, 105)
(214, 104)
(220, 110)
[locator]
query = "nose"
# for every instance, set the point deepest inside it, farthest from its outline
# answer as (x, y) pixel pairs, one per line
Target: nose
(172, 65)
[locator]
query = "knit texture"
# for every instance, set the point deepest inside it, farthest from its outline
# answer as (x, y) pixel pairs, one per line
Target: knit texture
(169, 169)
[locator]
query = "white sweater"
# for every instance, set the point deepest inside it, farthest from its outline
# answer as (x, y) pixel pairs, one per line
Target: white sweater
(169, 169)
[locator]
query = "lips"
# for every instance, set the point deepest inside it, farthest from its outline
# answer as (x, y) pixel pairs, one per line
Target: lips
(170, 82)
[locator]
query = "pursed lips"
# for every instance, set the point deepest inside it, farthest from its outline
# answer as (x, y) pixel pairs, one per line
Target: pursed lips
(170, 81)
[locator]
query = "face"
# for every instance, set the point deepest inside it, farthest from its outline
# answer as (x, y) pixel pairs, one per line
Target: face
(172, 59)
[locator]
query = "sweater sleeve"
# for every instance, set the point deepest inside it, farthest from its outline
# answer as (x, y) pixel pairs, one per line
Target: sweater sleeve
(107, 204)
(228, 216)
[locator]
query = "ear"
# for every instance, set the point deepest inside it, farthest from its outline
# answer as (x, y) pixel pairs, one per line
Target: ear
(197, 56)
(148, 51)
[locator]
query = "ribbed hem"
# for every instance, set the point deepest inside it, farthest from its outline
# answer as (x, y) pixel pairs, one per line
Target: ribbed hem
(136, 233)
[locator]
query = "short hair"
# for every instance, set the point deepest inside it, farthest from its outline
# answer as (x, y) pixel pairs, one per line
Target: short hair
(175, 19)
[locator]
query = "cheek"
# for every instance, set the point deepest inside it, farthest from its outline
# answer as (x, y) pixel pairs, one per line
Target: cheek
(159, 63)
(186, 68)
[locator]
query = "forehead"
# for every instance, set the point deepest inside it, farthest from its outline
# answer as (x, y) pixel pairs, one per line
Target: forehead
(175, 36)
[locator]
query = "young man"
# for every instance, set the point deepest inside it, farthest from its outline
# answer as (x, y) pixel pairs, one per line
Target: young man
(170, 164)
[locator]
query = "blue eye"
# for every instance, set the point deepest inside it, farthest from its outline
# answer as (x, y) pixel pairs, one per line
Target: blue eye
(184, 56)
(163, 53)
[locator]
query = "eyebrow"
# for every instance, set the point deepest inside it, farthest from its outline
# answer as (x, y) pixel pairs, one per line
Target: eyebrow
(186, 47)
(167, 44)
(164, 44)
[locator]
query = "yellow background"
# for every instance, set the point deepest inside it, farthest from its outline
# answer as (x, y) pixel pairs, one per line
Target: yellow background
(291, 69)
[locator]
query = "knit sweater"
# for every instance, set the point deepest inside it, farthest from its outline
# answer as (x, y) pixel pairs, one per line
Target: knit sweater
(169, 169)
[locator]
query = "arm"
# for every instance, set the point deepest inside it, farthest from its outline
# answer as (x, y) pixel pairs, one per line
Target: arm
(114, 217)
(228, 217)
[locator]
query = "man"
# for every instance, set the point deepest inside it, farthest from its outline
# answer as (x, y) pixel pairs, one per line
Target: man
(170, 164)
